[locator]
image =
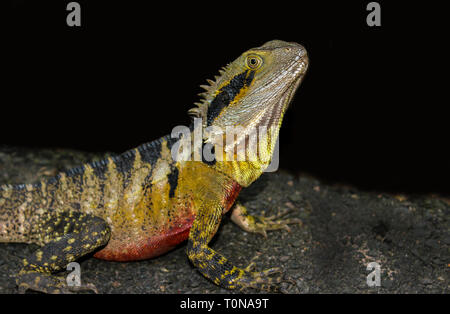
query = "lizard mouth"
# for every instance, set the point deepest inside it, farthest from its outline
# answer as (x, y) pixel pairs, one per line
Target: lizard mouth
(290, 92)
(274, 115)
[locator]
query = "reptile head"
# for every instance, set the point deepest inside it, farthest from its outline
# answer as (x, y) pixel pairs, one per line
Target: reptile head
(255, 89)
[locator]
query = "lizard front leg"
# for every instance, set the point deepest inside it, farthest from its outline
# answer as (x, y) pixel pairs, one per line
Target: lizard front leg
(71, 236)
(260, 224)
(215, 266)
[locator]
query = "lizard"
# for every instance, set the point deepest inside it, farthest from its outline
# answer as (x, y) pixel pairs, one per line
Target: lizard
(144, 202)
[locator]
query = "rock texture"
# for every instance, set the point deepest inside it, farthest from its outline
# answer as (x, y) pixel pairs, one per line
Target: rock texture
(343, 230)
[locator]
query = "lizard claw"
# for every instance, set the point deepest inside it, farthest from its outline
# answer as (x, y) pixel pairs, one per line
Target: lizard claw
(252, 263)
(263, 280)
(274, 223)
(261, 224)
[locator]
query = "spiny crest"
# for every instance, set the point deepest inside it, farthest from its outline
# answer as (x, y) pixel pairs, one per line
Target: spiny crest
(210, 90)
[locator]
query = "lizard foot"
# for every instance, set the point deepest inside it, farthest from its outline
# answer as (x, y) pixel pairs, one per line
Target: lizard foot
(275, 223)
(261, 224)
(262, 280)
(87, 233)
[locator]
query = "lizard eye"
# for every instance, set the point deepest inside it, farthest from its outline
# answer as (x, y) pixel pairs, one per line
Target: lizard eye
(254, 62)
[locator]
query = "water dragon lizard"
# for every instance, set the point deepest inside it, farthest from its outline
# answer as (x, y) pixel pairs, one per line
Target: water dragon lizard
(144, 202)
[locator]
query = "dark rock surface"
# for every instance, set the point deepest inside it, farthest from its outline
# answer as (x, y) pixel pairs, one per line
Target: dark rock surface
(343, 230)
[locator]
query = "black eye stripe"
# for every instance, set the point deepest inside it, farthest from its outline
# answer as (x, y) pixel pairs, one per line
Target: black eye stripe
(227, 94)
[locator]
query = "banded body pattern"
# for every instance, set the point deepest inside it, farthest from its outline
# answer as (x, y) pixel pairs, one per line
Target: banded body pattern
(142, 203)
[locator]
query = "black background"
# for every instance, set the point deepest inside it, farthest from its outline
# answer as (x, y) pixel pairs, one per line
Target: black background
(367, 114)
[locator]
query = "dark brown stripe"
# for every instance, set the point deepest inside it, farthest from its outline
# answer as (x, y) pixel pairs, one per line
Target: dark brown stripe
(227, 94)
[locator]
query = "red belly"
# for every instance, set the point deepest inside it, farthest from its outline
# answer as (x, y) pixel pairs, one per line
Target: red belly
(128, 249)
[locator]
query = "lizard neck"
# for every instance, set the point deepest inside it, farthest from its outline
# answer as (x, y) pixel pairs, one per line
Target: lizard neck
(249, 159)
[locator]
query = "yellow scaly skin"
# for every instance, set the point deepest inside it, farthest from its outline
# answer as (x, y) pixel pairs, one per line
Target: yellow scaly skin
(277, 69)
(144, 202)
